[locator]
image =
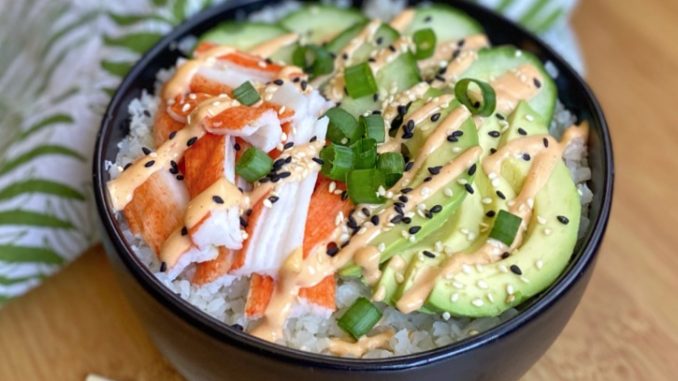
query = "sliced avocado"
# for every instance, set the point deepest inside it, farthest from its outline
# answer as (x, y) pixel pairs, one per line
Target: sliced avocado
(396, 239)
(493, 62)
(546, 249)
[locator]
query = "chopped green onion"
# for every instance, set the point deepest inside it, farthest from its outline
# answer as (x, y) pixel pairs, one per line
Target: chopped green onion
(363, 185)
(481, 108)
(337, 161)
(364, 153)
(313, 59)
(506, 227)
(253, 164)
(343, 128)
(425, 42)
(373, 125)
(359, 319)
(392, 165)
(246, 94)
(359, 80)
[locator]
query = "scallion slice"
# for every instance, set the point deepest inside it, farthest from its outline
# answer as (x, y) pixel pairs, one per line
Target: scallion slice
(425, 42)
(364, 153)
(343, 128)
(313, 59)
(392, 165)
(359, 319)
(363, 185)
(373, 125)
(359, 80)
(253, 164)
(337, 161)
(246, 94)
(486, 106)
(506, 227)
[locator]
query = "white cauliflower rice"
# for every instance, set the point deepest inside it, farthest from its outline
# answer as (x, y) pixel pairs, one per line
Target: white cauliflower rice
(415, 332)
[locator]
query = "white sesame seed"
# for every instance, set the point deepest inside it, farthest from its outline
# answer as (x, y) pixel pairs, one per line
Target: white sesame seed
(541, 220)
(456, 149)
(448, 192)
(486, 200)
(466, 268)
(547, 231)
(480, 268)
(524, 280)
(462, 181)
(539, 264)
(332, 186)
(412, 239)
(381, 247)
(446, 316)
(490, 297)
(509, 289)
(267, 203)
(458, 285)
(529, 118)
(477, 302)
(405, 234)
(482, 284)
(454, 297)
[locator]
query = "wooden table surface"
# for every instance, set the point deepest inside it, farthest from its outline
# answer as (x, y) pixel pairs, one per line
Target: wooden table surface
(626, 328)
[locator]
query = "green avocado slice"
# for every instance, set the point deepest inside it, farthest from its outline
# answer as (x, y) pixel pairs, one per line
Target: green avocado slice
(547, 247)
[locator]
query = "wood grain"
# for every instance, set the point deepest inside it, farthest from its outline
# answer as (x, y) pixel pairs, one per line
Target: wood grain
(627, 325)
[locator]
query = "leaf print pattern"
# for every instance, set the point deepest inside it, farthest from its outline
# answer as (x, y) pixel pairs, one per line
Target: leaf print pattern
(60, 61)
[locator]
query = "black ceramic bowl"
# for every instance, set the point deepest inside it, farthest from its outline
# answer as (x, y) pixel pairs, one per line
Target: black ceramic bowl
(203, 348)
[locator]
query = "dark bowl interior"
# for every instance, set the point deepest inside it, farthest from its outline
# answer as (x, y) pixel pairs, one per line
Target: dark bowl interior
(573, 92)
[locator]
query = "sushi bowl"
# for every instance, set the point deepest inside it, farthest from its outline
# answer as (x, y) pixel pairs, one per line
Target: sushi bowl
(202, 346)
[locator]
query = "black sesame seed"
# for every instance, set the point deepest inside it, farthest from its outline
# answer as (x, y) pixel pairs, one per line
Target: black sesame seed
(398, 209)
(435, 117)
(472, 170)
(428, 178)
(376, 112)
(563, 220)
(332, 249)
(428, 19)
(238, 327)
(192, 141)
(318, 160)
(174, 171)
(304, 85)
(314, 138)
(278, 164)
(469, 188)
(184, 231)
(288, 159)
(365, 211)
(500, 116)
(163, 266)
(516, 270)
(442, 70)
(492, 150)
(490, 213)
(456, 54)
(296, 79)
(436, 209)
(397, 219)
(375, 97)
(409, 126)
(149, 163)
(236, 146)
(268, 61)
(428, 254)
(452, 139)
(505, 255)
(379, 40)
(522, 131)
(406, 190)
(402, 109)
(288, 145)
(526, 157)
(414, 229)
(344, 196)
(546, 143)
(501, 195)
(457, 133)
(145, 150)
(248, 212)
(407, 135)
(344, 56)
(279, 82)
(407, 220)
(461, 43)
(409, 165)
(243, 222)
(284, 175)
(217, 199)
(392, 48)
(375, 219)
(435, 170)
(180, 177)
(494, 134)
(273, 199)
(403, 198)
(537, 83)
(126, 166)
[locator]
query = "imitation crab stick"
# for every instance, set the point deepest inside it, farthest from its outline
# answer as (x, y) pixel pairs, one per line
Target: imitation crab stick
(320, 224)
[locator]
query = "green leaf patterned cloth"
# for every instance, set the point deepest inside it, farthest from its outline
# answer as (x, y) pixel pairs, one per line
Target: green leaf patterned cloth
(60, 61)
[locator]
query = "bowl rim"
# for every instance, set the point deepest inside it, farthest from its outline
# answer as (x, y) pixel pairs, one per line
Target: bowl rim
(222, 332)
